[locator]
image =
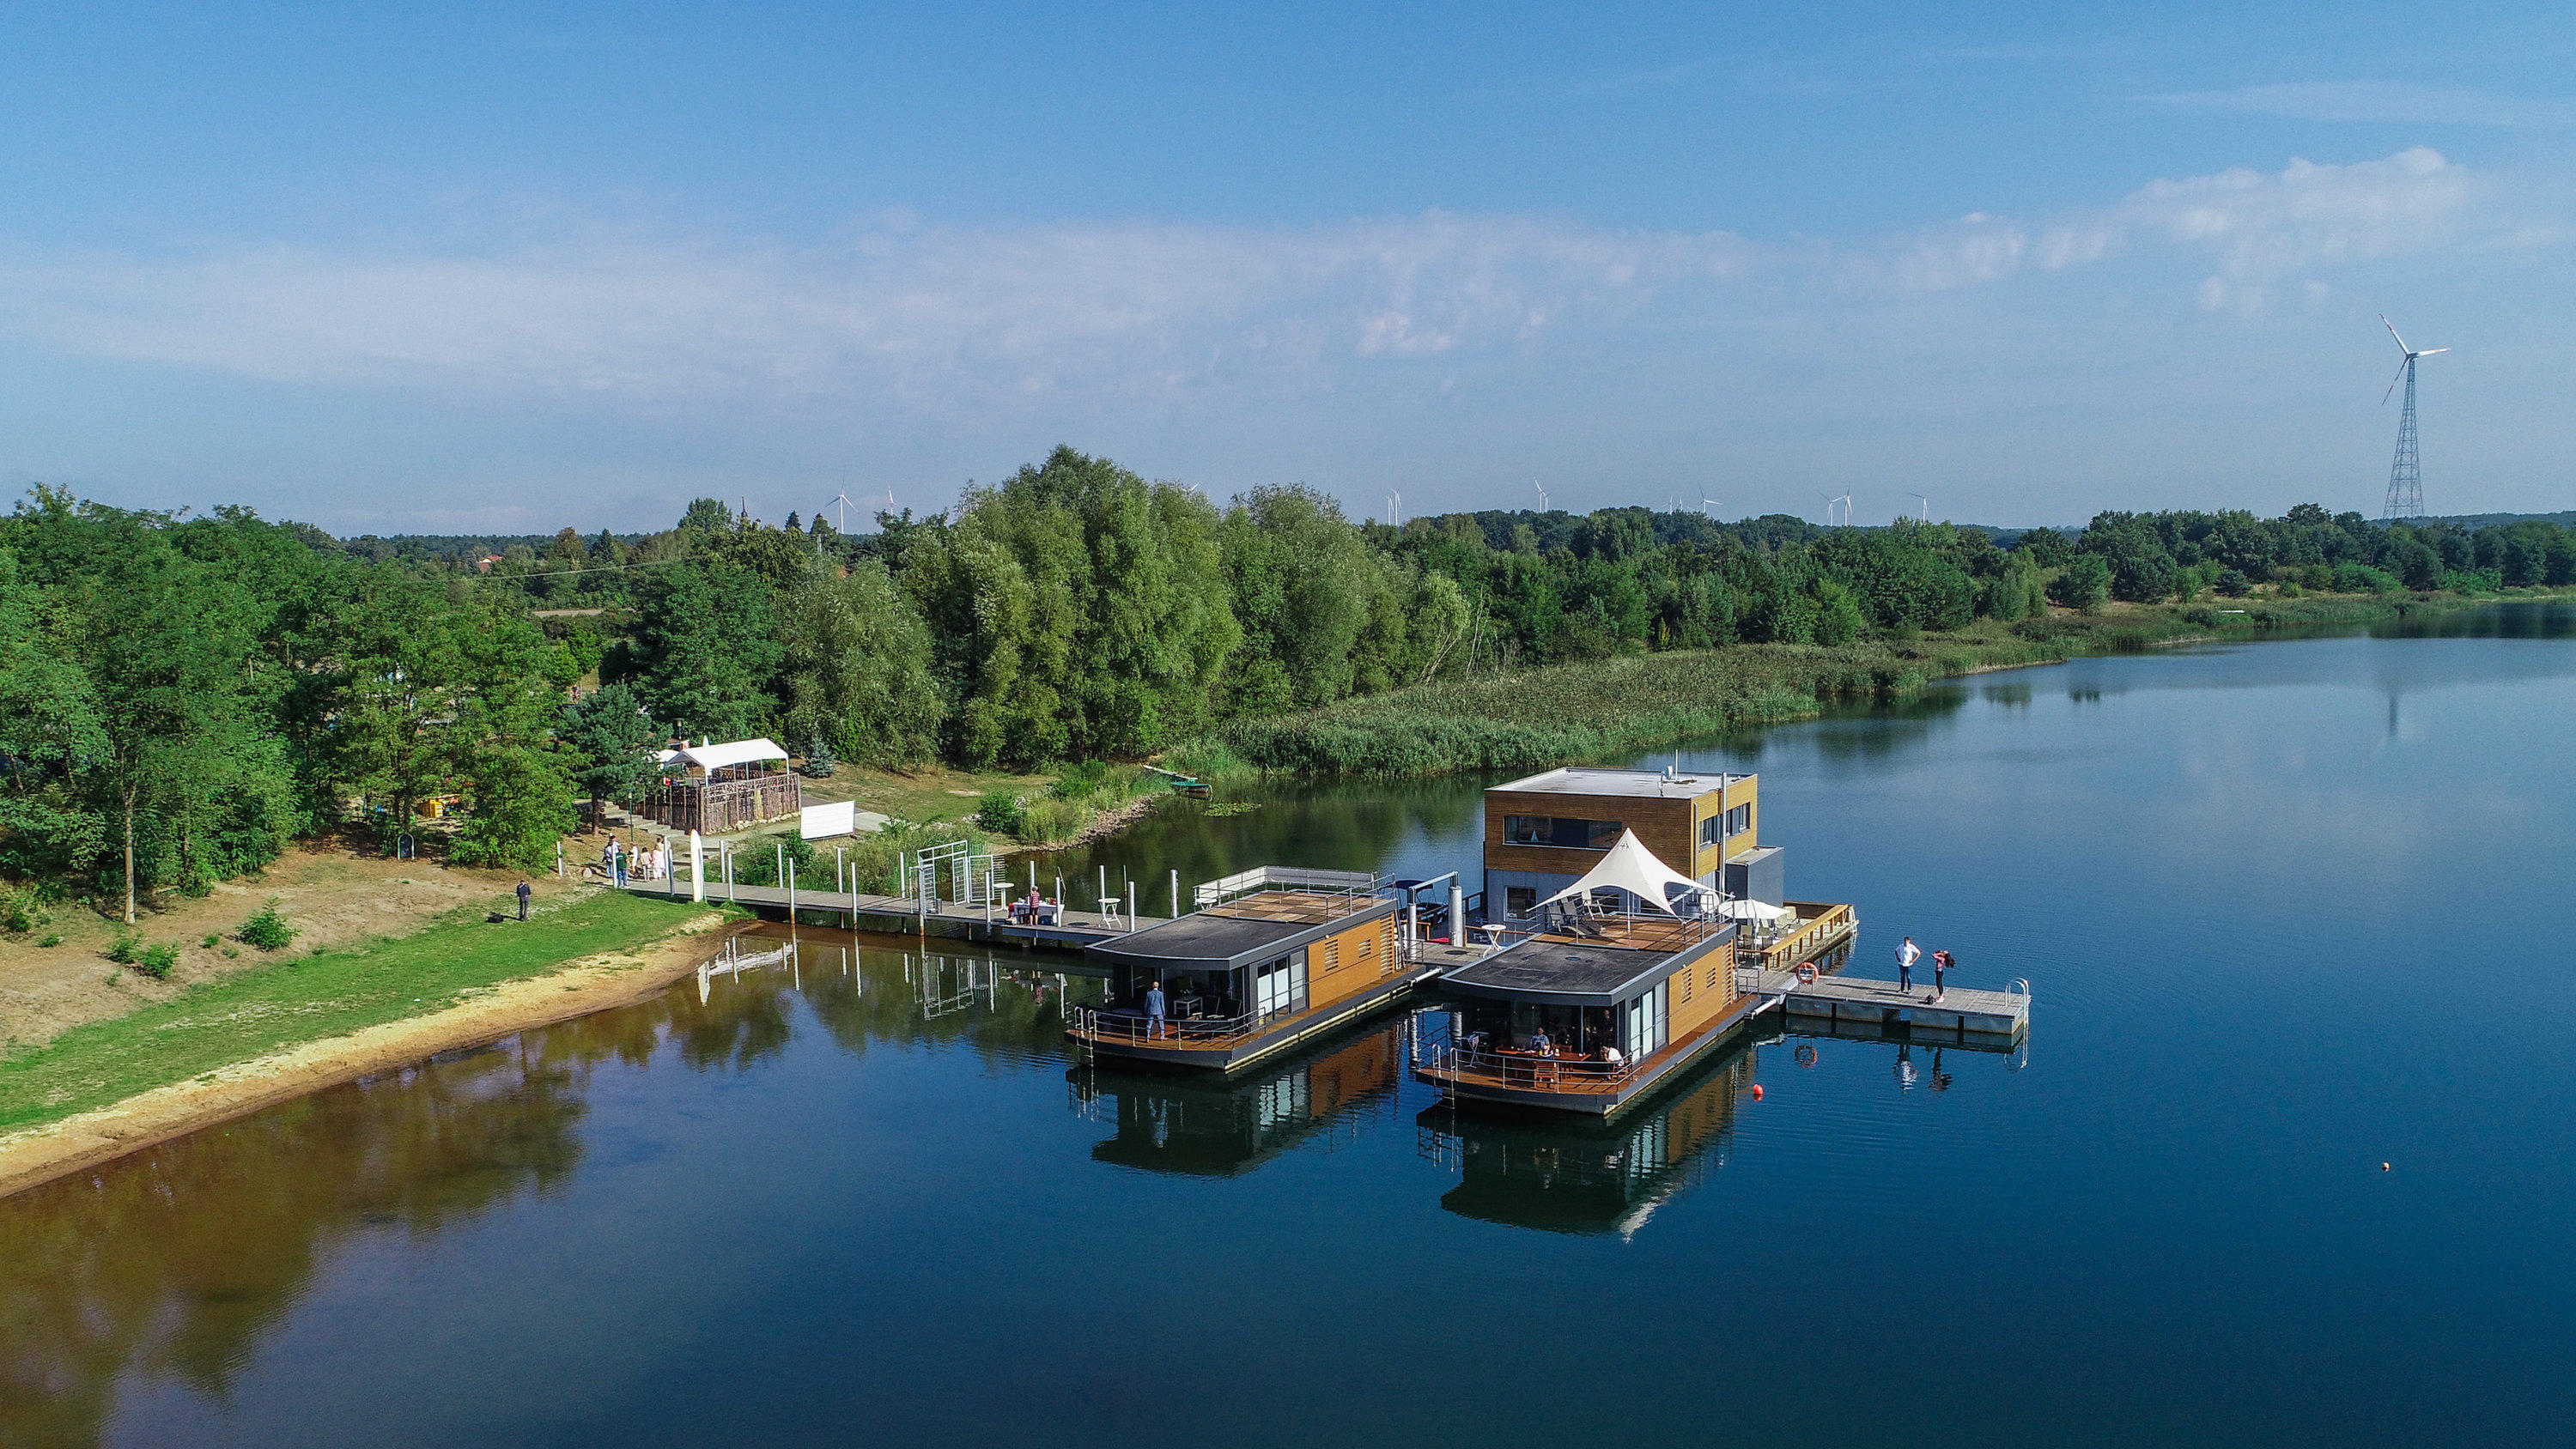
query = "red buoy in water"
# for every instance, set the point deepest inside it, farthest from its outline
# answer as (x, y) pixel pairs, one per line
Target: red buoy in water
(1757, 1091)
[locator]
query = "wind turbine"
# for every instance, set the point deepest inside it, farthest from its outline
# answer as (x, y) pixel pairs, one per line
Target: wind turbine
(1394, 508)
(846, 503)
(1542, 494)
(1830, 501)
(1927, 506)
(1707, 504)
(2405, 472)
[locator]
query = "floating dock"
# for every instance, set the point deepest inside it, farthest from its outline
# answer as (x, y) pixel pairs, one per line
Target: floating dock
(1961, 1011)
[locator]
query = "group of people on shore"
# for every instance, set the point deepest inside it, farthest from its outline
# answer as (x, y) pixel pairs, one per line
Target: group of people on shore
(620, 862)
(1907, 953)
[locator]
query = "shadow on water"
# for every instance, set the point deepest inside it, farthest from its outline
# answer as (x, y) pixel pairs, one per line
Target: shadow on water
(1562, 1176)
(1202, 1125)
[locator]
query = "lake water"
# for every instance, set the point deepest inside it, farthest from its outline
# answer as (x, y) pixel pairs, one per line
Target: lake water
(2291, 910)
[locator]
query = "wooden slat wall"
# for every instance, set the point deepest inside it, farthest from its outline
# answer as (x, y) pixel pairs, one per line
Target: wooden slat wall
(1360, 957)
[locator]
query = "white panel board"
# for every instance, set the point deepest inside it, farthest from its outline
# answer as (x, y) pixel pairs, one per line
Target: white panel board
(817, 821)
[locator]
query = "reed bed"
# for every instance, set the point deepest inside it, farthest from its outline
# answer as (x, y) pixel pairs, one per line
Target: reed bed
(1548, 716)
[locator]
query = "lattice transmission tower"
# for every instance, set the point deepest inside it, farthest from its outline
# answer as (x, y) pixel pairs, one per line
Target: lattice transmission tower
(2406, 470)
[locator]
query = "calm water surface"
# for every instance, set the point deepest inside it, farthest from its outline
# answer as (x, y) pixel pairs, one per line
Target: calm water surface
(2291, 910)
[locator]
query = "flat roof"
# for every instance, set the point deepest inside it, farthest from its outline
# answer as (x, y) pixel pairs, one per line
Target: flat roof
(1243, 932)
(1652, 784)
(1559, 971)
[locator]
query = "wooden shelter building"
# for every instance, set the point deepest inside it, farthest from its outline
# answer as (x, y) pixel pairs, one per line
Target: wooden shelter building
(717, 789)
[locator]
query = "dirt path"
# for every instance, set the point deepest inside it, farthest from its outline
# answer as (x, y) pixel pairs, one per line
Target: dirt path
(594, 983)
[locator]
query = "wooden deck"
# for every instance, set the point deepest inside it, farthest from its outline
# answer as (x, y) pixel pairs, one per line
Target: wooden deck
(1593, 1092)
(1962, 1010)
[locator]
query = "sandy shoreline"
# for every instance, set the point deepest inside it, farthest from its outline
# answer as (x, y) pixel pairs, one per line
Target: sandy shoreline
(577, 988)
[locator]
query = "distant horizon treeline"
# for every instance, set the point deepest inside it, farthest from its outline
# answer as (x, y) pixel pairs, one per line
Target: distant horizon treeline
(178, 697)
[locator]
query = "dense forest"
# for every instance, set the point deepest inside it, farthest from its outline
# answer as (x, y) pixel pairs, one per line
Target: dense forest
(181, 696)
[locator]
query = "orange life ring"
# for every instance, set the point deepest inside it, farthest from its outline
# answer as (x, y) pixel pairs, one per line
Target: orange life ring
(1807, 972)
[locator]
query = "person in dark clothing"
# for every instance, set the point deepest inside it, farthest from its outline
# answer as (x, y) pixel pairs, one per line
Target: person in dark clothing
(524, 893)
(1942, 961)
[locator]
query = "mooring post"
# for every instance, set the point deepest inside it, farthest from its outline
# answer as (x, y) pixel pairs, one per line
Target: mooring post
(1176, 895)
(788, 868)
(697, 867)
(1131, 903)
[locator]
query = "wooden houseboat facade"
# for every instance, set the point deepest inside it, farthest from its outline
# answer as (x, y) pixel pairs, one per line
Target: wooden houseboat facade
(1295, 954)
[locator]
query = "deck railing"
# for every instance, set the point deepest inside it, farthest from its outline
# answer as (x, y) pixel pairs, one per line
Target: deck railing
(1794, 945)
(1532, 1073)
(1188, 1032)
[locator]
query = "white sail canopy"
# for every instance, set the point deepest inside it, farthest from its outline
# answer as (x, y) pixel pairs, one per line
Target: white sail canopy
(732, 752)
(1762, 911)
(1631, 867)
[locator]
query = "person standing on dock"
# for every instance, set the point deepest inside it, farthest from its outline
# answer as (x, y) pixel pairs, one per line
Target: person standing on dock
(1942, 961)
(1907, 953)
(1154, 1011)
(525, 891)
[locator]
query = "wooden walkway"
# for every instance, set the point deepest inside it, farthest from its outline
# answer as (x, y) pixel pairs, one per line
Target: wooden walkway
(899, 914)
(1961, 1010)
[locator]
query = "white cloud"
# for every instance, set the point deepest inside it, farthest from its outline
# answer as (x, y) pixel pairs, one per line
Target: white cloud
(912, 308)
(2380, 102)
(964, 322)
(2257, 227)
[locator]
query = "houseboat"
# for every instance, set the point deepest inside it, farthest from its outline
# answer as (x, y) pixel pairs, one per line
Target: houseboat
(1609, 969)
(1271, 957)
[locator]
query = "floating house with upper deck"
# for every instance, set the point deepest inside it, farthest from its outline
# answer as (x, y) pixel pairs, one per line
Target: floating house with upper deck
(1611, 967)
(1272, 957)
(1545, 832)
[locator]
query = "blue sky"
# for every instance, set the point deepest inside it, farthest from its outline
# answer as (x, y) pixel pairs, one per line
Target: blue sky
(509, 268)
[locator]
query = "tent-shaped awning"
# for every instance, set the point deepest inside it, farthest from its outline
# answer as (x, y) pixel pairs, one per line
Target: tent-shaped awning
(732, 752)
(1631, 867)
(1762, 911)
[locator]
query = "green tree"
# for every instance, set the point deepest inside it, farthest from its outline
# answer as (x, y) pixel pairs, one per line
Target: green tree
(2083, 585)
(49, 727)
(616, 740)
(705, 649)
(857, 666)
(1075, 611)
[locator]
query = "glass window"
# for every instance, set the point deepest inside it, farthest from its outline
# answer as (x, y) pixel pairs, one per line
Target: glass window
(1558, 831)
(1520, 900)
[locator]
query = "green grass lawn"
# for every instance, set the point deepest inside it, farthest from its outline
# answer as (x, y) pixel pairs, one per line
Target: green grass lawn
(299, 998)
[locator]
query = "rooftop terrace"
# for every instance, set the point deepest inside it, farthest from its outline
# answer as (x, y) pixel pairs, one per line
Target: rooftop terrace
(1644, 784)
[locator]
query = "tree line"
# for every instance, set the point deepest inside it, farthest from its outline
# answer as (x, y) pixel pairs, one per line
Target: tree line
(181, 696)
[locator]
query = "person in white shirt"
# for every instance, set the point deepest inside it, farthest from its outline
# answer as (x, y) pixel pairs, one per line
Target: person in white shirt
(1907, 953)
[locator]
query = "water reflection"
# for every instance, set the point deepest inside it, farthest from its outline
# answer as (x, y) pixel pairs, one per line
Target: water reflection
(1205, 1126)
(2529, 619)
(174, 1261)
(1567, 1177)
